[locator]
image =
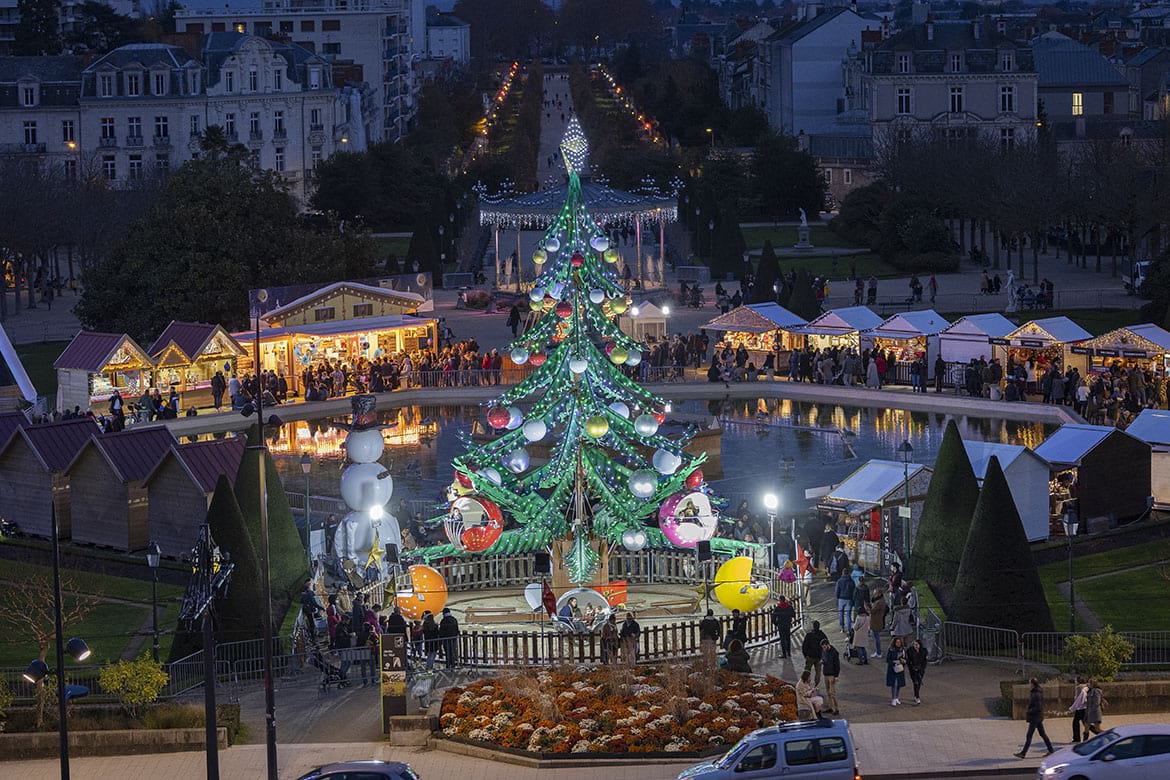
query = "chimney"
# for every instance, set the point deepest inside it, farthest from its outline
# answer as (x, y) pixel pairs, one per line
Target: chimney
(885, 29)
(1001, 26)
(929, 27)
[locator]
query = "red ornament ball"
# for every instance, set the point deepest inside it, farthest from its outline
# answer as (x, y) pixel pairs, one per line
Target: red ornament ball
(660, 417)
(462, 478)
(564, 310)
(536, 360)
(609, 348)
(694, 479)
(498, 416)
(577, 260)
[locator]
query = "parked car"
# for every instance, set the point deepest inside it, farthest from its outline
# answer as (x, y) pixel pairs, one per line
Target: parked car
(821, 749)
(362, 770)
(1137, 752)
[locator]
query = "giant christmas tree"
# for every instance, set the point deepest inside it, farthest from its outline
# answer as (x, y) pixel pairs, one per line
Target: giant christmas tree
(610, 475)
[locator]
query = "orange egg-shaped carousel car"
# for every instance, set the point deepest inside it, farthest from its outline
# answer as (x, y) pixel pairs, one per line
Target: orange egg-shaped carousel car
(428, 593)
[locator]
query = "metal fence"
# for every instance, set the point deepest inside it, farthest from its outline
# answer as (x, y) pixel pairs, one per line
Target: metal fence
(986, 643)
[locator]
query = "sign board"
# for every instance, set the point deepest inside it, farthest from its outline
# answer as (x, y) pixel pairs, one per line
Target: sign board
(904, 512)
(1035, 343)
(393, 677)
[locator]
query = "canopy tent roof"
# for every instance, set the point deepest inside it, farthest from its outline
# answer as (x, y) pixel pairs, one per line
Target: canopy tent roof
(537, 210)
(839, 321)
(994, 326)
(1151, 426)
(910, 325)
(1134, 341)
(980, 452)
(1072, 441)
(757, 318)
(870, 486)
(1047, 332)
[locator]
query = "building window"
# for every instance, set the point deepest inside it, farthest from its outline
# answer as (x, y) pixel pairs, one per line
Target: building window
(316, 157)
(263, 29)
(241, 27)
(314, 78)
(253, 79)
(254, 124)
(363, 310)
(278, 79)
(279, 159)
(1126, 137)
(229, 125)
(134, 127)
(315, 119)
(1078, 103)
(278, 124)
(30, 132)
(332, 48)
(194, 125)
(309, 26)
(28, 96)
(195, 28)
(903, 135)
(1007, 100)
(903, 63)
(323, 313)
(1007, 61)
(229, 81)
(330, 25)
(70, 168)
(68, 135)
(162, 127)
(194, 82)
(286, 26)
(109, 167)
(1107, 103)
(956, 63)
(828, 174)
(956, 100)
(133, 85)
(218, 27)
(135, 171)
(254, 158)
(1007, 137)
(107, 127)
(160, 83)
(162, 162)
(105, 85)
(847, 175)
(904, 96)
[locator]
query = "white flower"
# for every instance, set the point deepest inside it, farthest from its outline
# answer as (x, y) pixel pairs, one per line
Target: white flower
(587, 723)
(581, 746)
(450, 731)
(673, 747)
(732, 730)
(702, 731)
(705, 707)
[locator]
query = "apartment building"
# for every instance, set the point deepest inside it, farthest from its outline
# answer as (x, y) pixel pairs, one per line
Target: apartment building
(386, 38)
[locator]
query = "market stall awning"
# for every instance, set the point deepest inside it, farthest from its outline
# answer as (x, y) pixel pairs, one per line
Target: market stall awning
(836, 322)
(757, 318)
(1047, 332)
(981, 452)
(1151, 426)
(870, 486)
(537, 210)
(93, 352)
(994, 326)
(910, 325)
(1135, 341)
(1072, 441)
(337, 327)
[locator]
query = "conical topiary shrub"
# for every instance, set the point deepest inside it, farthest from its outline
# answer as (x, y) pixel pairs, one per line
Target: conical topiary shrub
(946, 514)
(998, 584)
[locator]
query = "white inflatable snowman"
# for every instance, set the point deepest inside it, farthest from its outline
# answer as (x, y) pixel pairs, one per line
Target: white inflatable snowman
(366, 487)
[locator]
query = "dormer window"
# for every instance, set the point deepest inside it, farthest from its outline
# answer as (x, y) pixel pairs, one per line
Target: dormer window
(160, 84)
(229, 81)
(314, 78)
(903, 63)
(28, 95)
(193, 81)
(105, 85)
(956, 63)
(278, 79)
(1007, 61)
(133, 84)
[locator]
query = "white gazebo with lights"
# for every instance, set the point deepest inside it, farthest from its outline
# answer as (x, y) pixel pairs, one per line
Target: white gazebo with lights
(645, 322)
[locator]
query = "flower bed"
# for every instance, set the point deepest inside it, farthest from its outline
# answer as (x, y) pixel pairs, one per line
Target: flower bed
(677, 709)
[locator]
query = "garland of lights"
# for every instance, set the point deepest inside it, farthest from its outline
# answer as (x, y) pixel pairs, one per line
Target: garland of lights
(608, 453)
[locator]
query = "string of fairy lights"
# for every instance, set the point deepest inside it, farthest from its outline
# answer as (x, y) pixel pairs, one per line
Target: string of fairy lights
(623, 98)
(490, 116)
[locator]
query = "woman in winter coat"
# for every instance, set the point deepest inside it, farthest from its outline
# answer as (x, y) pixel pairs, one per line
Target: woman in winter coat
(916, 665)
(895, 670)
(861, 636)
(1093, 701)
(737, 658)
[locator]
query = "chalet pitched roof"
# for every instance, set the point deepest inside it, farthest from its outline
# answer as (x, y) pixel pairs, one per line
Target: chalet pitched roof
(1057, 330)
(191, 338)
(92, 351)
(756, 318)
(363, 290)
(132, 453)
(911, 324)
(9, 422)
(1073, 441)
(55, 444)
(205, 461)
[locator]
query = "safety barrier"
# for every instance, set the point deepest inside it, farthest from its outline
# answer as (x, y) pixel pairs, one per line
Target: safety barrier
(965, 640)
(986, 643)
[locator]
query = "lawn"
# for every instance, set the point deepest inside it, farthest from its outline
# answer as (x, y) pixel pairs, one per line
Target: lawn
(839, 269)
(785, 236)
(392, 246)
(38, 362)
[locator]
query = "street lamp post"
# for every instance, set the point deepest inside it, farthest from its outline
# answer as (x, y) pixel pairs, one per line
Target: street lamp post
(306, 467)
(711, 235)
(153, 556)
(711, 132)
(772, 503)
(906, 451)
(1070, 530)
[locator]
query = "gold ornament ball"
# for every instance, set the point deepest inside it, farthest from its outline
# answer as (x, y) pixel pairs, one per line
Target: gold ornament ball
(596, 426)
(619, 305)
(618, 356)
(536, 305)
(611, 255)
(539, 256)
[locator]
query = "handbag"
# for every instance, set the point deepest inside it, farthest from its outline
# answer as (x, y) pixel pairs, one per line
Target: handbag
(899, 667)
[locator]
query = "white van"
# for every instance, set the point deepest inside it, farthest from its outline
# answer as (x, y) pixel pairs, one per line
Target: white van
(821, 749)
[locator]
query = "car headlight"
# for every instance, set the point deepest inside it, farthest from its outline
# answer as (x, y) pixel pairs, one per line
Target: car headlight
(1054, 771)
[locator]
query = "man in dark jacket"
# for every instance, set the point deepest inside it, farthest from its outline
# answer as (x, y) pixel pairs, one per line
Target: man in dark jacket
(630, 635)
(844, 591)
(710, 629)
(310, 608)
(1035, 718)
(783, 616)
(831, 669)
(738, 627)
(449, 636)
(838, 563)
(396, 624)
(861, 595)
(810, 648)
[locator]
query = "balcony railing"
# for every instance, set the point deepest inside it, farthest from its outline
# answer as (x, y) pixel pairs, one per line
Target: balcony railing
(231, 136)
(134, 140)
(162, 140)
(318, 128)
(108, 142)
(256, 135)
(22, 148)
(280, 133)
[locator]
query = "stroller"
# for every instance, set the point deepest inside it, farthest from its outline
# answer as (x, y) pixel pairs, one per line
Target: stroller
(329, 668)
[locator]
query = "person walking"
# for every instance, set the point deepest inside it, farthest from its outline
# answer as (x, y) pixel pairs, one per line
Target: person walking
(877, 619)
(844, 592)
(810, 648)
(1035, 718)
(831, 669)
(430, 638)
(916, 665)
(738, 627)
(630, 634)
(1093, 703)
(710, 631)
(783, 616)
(449, 635)
(902, 625)
(861, 636)
(609, 640)
(1078, 709)
(513, 321)
(895, 670)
